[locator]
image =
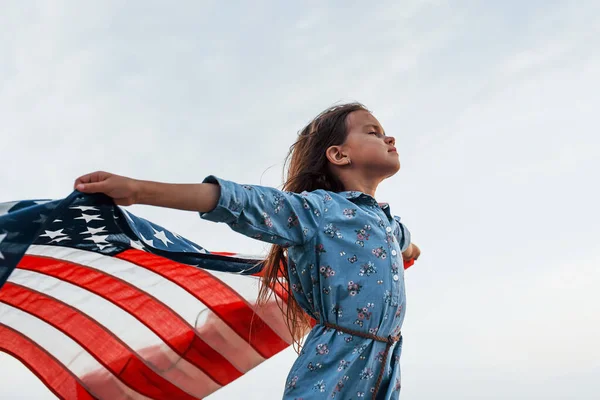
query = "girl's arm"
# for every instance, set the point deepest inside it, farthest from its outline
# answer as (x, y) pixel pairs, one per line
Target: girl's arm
(125, 191)
(409, 250)
(259, 212)
(268, 214)
(199, 197)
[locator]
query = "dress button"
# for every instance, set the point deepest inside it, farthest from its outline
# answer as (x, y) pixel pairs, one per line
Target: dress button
(388, 229)
(396, 277)
(394, 252)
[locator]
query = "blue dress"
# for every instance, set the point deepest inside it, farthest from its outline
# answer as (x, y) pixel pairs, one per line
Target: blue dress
(346, 268)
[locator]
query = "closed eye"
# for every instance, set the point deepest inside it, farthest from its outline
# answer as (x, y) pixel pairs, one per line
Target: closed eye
(375, 133)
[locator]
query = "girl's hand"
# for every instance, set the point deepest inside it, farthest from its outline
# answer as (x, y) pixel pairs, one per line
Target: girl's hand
(124, 191)
(416, 252)
(412, 253)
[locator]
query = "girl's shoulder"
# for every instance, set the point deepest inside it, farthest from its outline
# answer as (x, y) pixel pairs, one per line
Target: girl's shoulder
(318, 194)
(327, 196)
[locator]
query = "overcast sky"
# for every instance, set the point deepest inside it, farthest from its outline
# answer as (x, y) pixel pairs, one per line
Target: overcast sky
(494, 106)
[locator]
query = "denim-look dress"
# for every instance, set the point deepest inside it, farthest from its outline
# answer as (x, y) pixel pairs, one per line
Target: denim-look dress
(346, 268)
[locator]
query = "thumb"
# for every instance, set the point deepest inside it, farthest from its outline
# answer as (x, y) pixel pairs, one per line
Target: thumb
(94, 187)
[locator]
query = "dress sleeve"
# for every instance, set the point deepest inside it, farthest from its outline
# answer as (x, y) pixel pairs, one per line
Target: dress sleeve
(267, 214)
(402, 234)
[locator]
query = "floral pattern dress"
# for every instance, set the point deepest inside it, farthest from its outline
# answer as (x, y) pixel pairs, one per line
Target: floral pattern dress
(345, 267)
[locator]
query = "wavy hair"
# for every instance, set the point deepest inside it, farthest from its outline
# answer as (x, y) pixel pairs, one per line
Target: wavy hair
(308, 170)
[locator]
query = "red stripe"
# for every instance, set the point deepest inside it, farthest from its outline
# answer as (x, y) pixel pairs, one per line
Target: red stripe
(113, 354)
(159, 318)
(223, 253)
(48, 369)
(225, 302)
(278, 288)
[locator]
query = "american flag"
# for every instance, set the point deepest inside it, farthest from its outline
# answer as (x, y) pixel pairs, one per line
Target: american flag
(99, 303)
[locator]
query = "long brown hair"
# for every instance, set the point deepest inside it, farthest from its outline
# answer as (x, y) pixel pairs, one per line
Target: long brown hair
(308, 170)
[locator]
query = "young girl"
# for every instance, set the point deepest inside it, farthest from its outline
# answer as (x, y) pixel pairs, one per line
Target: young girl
(342, 250)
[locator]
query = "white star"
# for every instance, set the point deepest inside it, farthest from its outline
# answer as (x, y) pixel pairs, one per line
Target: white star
(57, 220)
(60, 239)
(89, 218)
(93, 231)
(98, 239)
(161, 236)
(103, 246)
(149, 242)
(2, 236)
(84, 208)
(54, 234)
(136, 244)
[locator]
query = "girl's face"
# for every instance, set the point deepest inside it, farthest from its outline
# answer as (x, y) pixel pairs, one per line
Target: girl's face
(367, 146)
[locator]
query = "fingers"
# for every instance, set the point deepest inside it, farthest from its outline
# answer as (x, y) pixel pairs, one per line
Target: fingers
(94, 187)
(92, 177)
(91, 183)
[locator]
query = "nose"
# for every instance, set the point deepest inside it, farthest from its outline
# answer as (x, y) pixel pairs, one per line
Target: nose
(390, 140)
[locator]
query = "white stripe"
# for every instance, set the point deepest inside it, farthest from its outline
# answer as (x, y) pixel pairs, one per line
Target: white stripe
(270, 312)
(169, 293)
(123, 325)
(68, 352)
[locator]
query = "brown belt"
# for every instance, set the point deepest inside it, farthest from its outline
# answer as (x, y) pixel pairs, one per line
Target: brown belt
(390, 340)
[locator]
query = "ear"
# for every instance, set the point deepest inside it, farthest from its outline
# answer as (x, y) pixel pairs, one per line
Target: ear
(337, 156)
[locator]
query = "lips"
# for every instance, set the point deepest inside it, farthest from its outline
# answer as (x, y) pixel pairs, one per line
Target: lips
(392, 149)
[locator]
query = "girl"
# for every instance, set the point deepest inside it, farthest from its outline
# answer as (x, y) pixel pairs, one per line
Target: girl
(342, 251)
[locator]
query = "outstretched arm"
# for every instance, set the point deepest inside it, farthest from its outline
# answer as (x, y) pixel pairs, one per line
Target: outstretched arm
(410, 251)
(200, 197)
(263, 213)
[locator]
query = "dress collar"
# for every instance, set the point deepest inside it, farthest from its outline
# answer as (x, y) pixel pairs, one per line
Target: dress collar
(354, 195)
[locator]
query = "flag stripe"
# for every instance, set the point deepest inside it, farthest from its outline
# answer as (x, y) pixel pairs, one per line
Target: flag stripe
(147, 309)
(57, 378)
(219, 297)
(65, 350)
(179, 299)
(123, 325)
(272, 313)
(100, 343)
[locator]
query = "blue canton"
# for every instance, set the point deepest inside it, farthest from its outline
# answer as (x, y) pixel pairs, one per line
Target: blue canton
(94, 223)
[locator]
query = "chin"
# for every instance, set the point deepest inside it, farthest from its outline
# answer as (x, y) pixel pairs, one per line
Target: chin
(394, 170)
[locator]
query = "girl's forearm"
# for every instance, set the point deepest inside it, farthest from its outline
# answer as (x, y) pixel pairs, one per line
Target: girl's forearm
(199, 197)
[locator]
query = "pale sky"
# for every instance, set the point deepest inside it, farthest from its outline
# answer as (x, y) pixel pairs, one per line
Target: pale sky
(494, 110)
